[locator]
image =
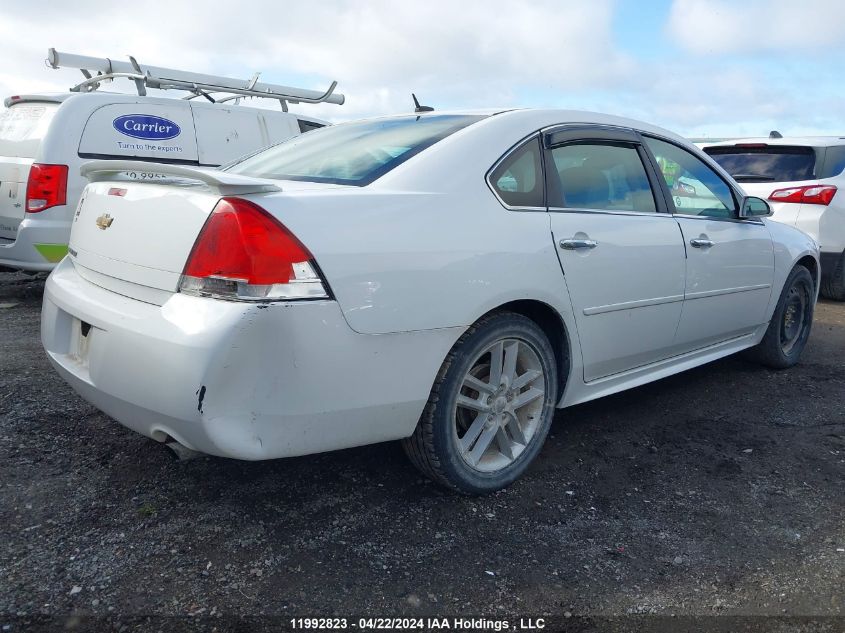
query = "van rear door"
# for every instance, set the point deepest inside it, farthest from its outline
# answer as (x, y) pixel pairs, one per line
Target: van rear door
(22, 128)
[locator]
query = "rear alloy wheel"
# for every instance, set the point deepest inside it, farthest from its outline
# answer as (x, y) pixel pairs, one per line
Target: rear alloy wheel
(789, 328)
(490, 408)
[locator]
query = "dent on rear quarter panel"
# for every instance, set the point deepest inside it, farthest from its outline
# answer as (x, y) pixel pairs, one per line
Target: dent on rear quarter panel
(294, 378)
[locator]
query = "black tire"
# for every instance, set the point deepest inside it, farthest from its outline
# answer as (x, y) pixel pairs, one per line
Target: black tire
(779, 349)
(434, 446)
(833, 283)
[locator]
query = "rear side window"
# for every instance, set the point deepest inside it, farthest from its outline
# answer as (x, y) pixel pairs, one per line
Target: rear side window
(23, 127)
(352, 153)
(769, 163)
(518, 179)
(600, 176)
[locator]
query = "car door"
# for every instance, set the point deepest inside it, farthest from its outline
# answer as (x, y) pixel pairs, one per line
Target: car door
(620, 249)
(730, 261)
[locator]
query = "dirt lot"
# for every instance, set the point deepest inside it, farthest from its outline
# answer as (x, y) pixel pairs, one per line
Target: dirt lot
(718, 491)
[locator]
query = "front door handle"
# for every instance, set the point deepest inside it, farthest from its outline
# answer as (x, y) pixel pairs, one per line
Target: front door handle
(701, 243)
(573, 244)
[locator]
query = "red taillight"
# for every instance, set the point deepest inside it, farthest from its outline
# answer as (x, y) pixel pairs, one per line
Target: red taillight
(243, 252)
(46, 187)
(814, 194)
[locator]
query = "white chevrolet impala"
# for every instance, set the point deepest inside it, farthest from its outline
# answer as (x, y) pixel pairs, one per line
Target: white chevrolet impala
(447, 280)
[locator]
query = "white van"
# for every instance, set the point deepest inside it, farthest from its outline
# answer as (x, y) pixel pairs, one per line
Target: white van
(45, 138)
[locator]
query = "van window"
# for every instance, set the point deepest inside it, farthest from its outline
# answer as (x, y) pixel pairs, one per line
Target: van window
(834, 161)
(23, 127)
(307, 126)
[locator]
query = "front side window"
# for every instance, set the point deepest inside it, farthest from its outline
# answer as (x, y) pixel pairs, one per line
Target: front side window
(695, 188)
(519, 178)
(352, 153)
(600, 176)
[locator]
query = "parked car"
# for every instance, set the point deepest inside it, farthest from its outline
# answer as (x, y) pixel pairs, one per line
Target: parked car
(45, 138)
(444, 279)
(800, 177)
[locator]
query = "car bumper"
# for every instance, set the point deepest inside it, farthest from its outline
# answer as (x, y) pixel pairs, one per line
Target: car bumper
(38, 246)
(238, 380)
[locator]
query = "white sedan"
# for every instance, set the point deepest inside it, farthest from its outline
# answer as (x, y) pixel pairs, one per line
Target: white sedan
(444, 279)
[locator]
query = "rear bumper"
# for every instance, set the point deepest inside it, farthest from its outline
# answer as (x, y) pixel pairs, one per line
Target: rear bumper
(238, 380)
(39, 245)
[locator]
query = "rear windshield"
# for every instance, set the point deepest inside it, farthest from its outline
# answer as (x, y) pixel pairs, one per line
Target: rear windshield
(352, 153)
(23, 126)
(771, 163)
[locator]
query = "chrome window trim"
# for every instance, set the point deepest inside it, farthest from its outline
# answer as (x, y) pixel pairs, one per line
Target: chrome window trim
(652, 214)
(687, 216)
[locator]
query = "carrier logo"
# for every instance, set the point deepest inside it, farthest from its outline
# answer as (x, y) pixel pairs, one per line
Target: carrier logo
(104, 221)
(145, 126)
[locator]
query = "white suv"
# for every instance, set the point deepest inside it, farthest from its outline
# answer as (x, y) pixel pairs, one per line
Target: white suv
(803, 180)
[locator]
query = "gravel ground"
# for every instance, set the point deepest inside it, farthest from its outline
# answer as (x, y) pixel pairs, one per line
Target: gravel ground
(715, 492)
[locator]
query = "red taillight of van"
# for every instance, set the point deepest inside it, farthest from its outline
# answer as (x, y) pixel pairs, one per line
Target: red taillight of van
(46, 187)
(814, 194)
(243, 253)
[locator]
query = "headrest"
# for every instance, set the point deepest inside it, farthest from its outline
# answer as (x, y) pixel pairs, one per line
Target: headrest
(584, 187)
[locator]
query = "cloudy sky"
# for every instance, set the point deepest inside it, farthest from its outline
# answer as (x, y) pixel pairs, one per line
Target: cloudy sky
(699, 67)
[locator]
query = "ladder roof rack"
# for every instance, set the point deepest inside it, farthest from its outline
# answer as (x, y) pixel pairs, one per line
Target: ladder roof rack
(198, 84)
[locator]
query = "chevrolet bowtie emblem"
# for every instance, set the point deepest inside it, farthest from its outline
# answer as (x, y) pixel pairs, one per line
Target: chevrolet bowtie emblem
(104, 221)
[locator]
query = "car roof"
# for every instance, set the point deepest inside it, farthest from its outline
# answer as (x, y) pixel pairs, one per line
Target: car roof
(549, 117)
(809, 141)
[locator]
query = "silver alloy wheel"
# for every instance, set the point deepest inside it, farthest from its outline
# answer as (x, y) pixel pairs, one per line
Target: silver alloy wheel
(500, 405)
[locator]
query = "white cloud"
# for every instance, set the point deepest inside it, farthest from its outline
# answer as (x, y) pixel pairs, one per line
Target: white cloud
(721, 27)
(470, 54)
(474, 53)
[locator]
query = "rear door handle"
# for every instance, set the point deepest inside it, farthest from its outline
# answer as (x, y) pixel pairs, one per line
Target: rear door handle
(572, 245)
(701, 243)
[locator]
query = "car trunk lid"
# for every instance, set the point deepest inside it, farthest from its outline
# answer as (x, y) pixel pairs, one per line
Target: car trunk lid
(143, 232)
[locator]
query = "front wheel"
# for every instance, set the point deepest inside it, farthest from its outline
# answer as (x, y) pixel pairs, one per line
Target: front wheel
(789, 328)
(490, 408)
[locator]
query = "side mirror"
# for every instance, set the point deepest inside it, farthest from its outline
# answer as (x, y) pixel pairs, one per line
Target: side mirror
(755, 208)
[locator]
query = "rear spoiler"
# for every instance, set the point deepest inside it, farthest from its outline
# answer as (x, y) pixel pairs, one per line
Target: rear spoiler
(10, 101)
(225, 183)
